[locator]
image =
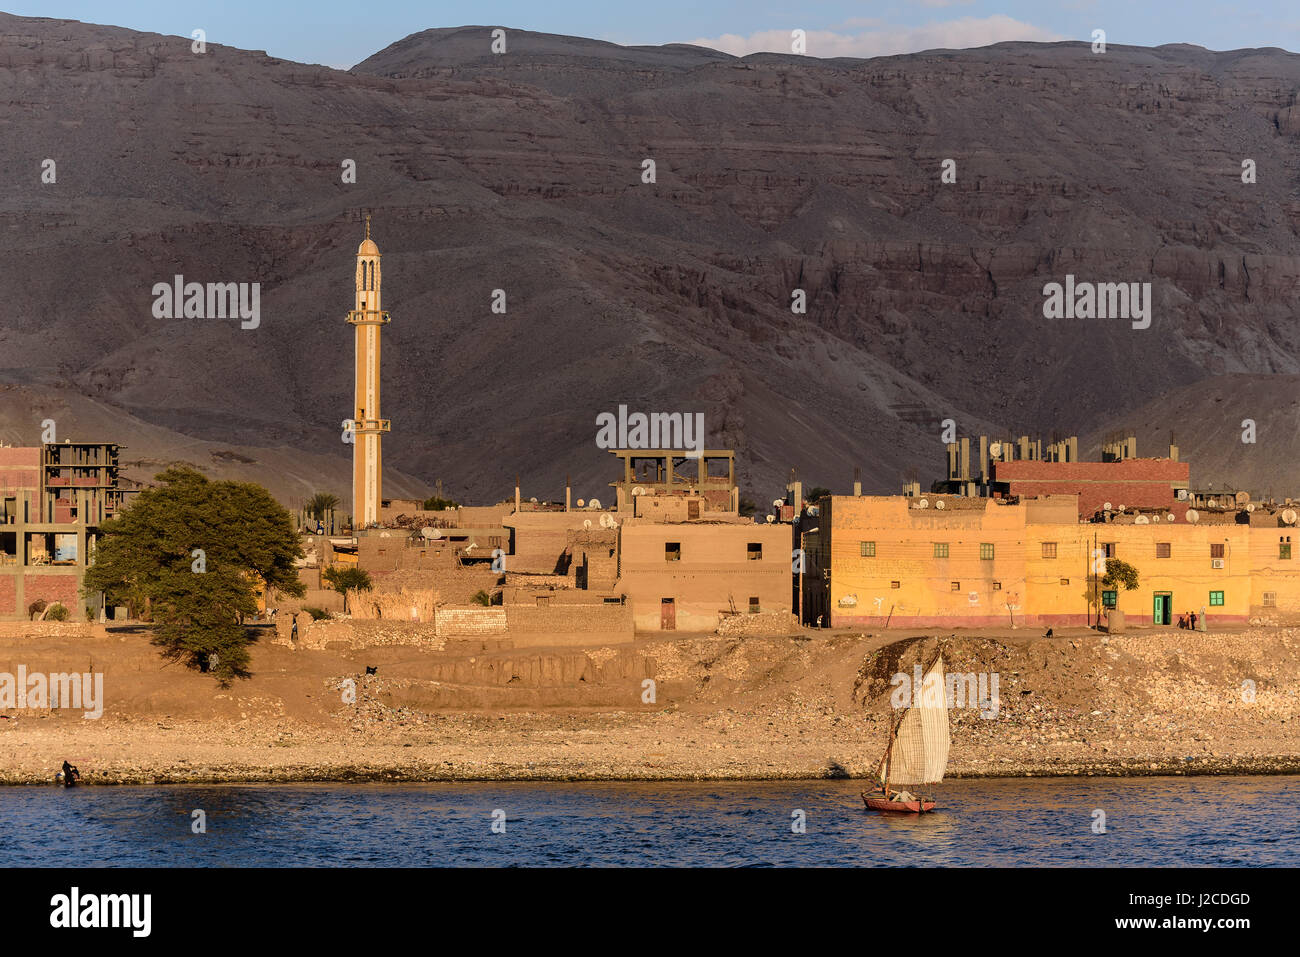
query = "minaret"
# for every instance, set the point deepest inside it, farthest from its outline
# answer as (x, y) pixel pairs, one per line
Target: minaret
(368, 428)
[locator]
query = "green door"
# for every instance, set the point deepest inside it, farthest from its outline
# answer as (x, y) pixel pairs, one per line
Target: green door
(1162, 608)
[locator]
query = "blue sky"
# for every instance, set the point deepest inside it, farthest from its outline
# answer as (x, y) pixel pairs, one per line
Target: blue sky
(340, 34)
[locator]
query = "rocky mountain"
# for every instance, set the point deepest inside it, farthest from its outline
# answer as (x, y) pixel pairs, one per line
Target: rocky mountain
(523, 172)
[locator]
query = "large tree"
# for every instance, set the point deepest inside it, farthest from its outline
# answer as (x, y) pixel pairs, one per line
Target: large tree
(196, 551)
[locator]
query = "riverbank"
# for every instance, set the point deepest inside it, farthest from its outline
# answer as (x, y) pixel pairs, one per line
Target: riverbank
(812, 706)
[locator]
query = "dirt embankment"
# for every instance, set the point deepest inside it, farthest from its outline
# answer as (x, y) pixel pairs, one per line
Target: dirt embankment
(696, 707)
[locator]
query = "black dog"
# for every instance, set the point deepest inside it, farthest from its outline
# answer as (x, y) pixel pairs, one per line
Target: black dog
(1049, 633)
(370, 670)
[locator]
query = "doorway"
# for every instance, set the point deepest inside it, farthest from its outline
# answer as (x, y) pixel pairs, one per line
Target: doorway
(667, 615)
(1162, 608)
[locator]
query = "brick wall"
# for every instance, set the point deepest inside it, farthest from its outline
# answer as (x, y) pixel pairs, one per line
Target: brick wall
(471, 622)
(60, 588)
(8, 595)
(1134, 483)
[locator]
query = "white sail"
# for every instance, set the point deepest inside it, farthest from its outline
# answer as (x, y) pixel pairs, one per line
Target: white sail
(920, 748)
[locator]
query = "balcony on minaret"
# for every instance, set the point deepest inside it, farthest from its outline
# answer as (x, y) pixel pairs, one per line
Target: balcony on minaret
(363, 426)
(367, 317)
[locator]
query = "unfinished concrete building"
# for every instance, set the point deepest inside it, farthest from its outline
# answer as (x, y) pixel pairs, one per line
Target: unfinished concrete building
(53, 498)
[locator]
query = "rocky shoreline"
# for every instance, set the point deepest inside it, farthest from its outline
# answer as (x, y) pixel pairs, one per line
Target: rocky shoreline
(728, 709)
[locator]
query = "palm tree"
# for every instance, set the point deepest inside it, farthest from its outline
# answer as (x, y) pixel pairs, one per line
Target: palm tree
(320, 503)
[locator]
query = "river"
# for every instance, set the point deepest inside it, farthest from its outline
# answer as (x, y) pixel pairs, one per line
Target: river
(1173, 821)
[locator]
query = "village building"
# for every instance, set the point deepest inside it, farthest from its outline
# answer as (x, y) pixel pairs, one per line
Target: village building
(952, 561)
(53, 500)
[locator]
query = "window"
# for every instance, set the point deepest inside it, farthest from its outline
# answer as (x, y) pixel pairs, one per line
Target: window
(956, 586)
(1109, 548)
(1065, 581)
(1049, 549)
(754, 551)
(997, 586)
(543, 601)
(940, 549)
(1109, 599)
(895, 584)
(1270, 599)
(1216, 551)
(986, 552)
(753, 605)
(867, 549)
(1162, 549)
(1284, 550)
(672, 551)
(1216, 598)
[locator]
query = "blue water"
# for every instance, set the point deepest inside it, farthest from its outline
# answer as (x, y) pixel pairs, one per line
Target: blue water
(1149, 821)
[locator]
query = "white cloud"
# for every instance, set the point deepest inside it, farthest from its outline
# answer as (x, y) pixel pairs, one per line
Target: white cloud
(890, 40)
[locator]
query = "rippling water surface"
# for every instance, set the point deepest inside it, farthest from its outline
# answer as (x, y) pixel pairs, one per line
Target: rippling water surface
(1149, 821)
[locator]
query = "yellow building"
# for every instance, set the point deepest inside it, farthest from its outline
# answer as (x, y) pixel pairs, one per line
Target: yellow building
(896, 561)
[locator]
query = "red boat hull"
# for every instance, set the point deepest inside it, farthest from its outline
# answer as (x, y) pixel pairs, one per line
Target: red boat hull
(898, 807)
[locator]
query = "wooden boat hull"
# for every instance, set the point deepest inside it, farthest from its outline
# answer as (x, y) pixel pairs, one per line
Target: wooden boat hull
(897, 807)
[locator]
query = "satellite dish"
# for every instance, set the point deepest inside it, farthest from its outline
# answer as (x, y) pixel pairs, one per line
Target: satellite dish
(594, 503)
(771, 519)
(939, 504)
(1106, 505)
(586, 523)
(923, 503)
(607, 520)
(581, 503)
(995, 450)
(1192, 516)
(1250, 507)
(1155, 518)
(778, 502)
(1182, 495)
(1212, 503)
(1121, 507)
(814, 510)
(1242, 498)
(428, 532)
(1141, 520)
(1170, 517)
(1288, 516)
(638, 490)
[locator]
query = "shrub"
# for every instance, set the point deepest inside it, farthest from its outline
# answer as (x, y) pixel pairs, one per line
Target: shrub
(482, 598)
(56, 612)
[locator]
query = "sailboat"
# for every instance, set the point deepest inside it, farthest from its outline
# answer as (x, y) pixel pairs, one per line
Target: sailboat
(917, 753)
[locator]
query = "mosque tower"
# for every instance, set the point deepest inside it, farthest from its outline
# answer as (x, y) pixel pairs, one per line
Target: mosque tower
(368, 428)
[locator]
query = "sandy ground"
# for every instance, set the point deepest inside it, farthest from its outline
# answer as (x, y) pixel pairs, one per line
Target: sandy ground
(1153, 702)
